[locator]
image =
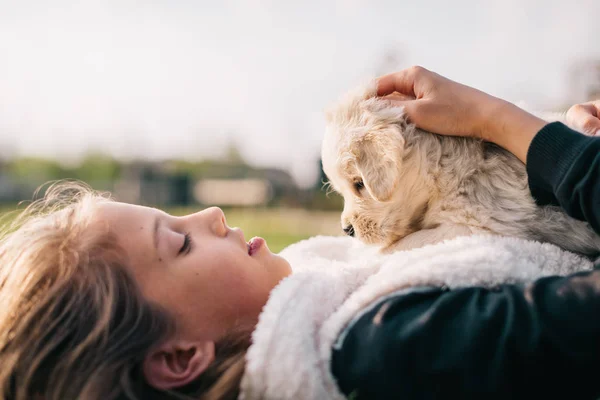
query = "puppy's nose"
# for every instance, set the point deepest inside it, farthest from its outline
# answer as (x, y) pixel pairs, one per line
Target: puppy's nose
(349, 230)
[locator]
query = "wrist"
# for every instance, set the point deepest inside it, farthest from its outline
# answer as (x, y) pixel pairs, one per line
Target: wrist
(512, 128)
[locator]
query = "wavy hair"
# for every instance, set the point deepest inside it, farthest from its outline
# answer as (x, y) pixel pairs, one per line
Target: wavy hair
(73, 322)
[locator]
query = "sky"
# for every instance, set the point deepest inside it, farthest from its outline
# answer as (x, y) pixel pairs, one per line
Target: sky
(160, 79)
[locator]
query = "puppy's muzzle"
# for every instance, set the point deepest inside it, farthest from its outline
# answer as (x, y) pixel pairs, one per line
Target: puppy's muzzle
(349, 230)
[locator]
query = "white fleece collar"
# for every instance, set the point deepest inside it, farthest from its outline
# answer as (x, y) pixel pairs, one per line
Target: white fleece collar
(335, 279)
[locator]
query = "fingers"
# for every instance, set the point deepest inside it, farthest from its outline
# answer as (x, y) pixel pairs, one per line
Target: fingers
(396, 96)
(585, 117)
(590, 125)
(423, 113)
(438, 104)
(401, 82)
(396, 82)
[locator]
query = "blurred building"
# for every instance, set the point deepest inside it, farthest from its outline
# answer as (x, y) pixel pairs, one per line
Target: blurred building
(171, 183)
(233, 192)
(10, 190)
(152, 184)
(210, 183)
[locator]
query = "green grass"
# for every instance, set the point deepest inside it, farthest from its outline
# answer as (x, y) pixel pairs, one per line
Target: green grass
(280, 227)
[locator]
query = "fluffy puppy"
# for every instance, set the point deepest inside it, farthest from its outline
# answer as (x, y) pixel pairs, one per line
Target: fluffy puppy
(405, 188)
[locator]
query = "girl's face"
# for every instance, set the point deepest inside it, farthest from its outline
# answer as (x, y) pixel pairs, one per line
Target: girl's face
(196, 267)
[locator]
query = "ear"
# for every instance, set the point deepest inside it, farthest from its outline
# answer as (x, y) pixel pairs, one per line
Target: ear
(378, 156)
(176, 363)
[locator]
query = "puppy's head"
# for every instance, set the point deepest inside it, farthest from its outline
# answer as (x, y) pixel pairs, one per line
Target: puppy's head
(362, 154)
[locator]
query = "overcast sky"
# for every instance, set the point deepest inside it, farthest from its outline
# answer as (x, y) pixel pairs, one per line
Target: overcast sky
(167, 78)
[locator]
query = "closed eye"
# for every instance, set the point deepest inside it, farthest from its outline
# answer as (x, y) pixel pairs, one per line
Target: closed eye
(187, 244)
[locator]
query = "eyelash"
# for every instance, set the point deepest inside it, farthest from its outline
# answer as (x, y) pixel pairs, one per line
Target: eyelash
(187, 244)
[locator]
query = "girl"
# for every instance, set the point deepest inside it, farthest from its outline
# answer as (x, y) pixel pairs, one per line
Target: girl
(104, 300)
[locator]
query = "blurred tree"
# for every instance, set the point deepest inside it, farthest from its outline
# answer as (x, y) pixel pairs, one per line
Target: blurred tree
(233, 155)
(97, 167)
(182, 166)
(36, 169)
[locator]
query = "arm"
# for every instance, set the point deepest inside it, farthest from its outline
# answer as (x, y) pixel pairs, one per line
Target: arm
(515, 342)
(563, 168)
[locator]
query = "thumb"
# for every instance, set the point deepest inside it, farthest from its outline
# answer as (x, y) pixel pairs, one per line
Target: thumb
(590, 125)
(584, 117)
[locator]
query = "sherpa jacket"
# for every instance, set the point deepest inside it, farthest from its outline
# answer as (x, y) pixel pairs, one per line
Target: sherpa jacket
(525, 341)
(337, 279)
(351, 322)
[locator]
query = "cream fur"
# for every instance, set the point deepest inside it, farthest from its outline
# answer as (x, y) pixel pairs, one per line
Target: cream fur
(422, 188)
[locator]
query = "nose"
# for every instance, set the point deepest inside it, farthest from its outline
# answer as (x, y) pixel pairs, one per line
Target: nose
(213, 218)
(218, 221)
(349, 230)
(215, 213)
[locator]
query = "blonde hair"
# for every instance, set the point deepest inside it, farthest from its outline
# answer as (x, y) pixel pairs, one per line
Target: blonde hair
(73, 323)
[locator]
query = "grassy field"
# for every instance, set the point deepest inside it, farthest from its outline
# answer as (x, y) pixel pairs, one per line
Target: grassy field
(279, 226)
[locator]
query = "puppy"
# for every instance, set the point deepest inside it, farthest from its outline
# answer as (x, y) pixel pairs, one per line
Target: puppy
(404, 188)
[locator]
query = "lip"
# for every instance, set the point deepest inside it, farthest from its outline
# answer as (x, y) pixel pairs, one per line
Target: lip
(254, 245)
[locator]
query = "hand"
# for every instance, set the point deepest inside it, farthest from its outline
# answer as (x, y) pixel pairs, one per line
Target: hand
(585, 117)
(442, 106)
(437, 104)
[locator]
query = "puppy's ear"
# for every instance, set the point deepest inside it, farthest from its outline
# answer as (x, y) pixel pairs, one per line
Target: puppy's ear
(378, 155)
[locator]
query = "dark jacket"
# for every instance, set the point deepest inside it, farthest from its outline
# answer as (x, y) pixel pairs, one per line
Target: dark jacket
(536, 341)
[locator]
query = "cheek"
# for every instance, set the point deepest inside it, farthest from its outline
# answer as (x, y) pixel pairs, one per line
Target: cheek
(243, 287)
(223, 299)
(354, 209)
(365, 225)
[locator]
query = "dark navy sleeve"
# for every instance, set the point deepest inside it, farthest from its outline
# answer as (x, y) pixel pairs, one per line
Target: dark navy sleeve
(564, 169)
(540, 341)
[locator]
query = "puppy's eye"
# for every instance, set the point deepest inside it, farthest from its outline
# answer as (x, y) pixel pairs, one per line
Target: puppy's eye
(358, 185)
